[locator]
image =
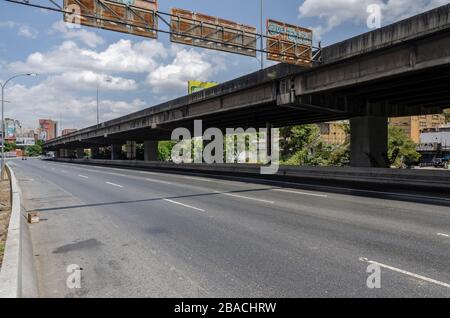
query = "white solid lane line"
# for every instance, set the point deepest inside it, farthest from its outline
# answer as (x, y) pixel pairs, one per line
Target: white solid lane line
(301, 193)
(114, 184)
(244, 197)
(84, 177)
(443, 234)
(158, 181)
(184, 205)
(401, 271)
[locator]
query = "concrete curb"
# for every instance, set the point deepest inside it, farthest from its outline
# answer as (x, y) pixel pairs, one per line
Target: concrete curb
(18, 258)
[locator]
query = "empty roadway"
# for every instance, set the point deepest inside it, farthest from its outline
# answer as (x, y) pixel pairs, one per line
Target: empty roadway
(140, 233)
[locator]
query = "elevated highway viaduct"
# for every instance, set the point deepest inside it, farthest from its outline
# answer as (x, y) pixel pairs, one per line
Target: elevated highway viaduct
(399, 70)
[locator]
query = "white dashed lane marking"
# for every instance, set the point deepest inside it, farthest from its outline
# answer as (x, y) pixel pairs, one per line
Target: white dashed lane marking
(401, 271)
(114, 184)
(184, 205)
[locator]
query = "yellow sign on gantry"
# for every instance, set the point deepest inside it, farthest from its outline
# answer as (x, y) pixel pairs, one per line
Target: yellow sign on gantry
(196, 86)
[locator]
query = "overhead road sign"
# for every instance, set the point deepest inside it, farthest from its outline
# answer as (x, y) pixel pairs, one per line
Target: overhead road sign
(289, 43)
(138, 17)
(209, 32)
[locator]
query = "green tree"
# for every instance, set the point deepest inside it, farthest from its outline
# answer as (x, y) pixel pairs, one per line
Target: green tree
(301, 145)
(296, 141)
(447, 115)
(10, 146)
(165, 150)
(401, 149)
(35, 150)
(340, 154)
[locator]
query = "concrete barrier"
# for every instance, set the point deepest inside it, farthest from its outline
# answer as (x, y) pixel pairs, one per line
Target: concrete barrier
(407, 179)
(18, 275)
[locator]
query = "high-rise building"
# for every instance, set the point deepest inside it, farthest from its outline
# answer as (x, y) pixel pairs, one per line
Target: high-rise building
(68, 131)
(413, 125)
(333, 133)
(48, 129)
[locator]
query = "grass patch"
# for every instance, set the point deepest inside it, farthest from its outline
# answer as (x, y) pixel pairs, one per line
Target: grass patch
(2, 251)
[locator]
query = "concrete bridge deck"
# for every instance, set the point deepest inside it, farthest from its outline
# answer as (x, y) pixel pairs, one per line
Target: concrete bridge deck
(398, 70)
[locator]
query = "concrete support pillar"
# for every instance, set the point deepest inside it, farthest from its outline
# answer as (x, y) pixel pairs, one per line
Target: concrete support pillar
(66, 153)
(369, 142)
(80, 153)
(61, 153)
(151, 150)
(94, 153)
(269, 140)
(116, 151)
(131, 150)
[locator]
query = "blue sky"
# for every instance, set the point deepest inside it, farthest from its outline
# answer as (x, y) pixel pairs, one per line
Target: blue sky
(146, 72)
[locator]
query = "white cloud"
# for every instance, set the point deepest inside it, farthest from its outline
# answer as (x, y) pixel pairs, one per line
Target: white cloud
(22, 29)
(47, 101)
(186, 65)
(8, 24)
(88, 80)
(87, 37)
(332, 14)
(69, 75)
(122, 56)
(27, 31)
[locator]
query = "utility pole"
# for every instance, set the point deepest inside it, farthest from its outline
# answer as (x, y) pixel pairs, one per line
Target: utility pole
(108, 80)
(98, 111)
(262, 39)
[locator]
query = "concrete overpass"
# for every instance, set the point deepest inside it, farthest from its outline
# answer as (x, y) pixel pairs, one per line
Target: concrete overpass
(398, 70)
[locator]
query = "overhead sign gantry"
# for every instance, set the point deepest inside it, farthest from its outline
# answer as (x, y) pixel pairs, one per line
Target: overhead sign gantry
(285, 43)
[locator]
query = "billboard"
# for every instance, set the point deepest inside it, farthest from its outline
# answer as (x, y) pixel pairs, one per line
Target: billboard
(10, 129)
(127, 16)
(47, 129)
(196, 86)
(289, 43)
(209, 32)
(25, 141)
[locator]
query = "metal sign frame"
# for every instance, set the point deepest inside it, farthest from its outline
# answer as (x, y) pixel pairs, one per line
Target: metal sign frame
(212, 33)
(131, 16)
(316, 50)
(288, 45)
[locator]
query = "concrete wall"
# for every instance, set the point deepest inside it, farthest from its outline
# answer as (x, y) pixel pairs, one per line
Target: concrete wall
(385, 179)
(412, 28)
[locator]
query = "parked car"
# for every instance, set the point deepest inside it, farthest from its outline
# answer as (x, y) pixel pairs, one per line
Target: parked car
(438, 163)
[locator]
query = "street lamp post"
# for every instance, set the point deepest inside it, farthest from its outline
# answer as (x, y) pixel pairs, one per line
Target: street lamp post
(108, 80)
(3, 118)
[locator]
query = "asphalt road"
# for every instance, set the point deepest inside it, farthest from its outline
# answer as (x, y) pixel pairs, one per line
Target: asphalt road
(147, 234)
